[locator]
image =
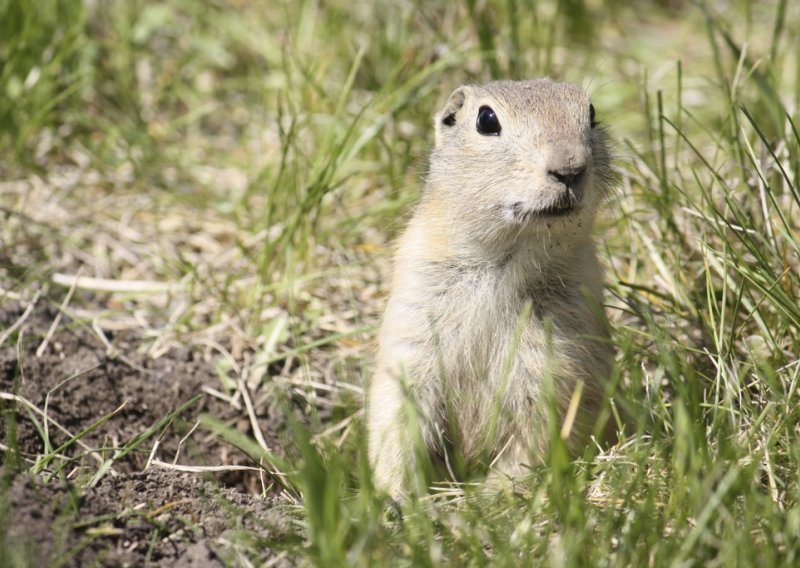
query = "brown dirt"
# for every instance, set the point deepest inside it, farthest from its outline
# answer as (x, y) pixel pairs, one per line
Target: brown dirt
(130, 517)
(156, 517)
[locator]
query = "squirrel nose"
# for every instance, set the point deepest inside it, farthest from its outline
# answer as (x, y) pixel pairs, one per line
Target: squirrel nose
(569, 176)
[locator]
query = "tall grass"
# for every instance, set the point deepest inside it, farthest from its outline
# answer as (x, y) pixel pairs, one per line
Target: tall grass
(321, 111)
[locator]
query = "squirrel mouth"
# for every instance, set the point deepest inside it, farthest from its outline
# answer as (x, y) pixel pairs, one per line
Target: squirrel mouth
(560, 208)
(557, 210)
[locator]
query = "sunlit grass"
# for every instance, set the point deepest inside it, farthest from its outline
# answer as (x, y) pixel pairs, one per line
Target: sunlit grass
(261, 156)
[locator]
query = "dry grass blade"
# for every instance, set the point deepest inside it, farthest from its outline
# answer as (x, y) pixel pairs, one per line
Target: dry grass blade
(21, 320)
(201, 468)
(54, 325)
(109, 285)
(251, 414)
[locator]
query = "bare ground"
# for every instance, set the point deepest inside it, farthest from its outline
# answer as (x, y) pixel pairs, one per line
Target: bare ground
(136, 513)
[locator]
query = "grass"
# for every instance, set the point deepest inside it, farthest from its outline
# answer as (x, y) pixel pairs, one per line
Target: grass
(261, 156)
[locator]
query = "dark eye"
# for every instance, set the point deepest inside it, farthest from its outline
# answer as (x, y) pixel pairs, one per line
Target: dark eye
(592, 121)
(487, 124)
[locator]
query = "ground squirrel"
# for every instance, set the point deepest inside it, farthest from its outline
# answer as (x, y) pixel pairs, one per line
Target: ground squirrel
(497, 291)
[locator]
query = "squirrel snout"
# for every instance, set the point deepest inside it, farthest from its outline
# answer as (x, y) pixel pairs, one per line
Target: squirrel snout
(566, 164)
(569, 176)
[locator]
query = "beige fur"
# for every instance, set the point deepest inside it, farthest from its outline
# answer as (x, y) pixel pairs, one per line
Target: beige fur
(492, 295)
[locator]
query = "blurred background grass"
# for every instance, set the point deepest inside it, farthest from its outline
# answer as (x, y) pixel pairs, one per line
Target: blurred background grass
(261, 155)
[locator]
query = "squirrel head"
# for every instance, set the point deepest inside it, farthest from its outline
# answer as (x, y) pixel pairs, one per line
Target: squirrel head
(514, 157)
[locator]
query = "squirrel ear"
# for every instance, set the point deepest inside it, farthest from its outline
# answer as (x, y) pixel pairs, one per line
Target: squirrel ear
(447, 116)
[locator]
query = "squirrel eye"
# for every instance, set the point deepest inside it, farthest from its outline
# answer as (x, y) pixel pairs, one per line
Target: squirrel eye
(487, 123)
(592, 121)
